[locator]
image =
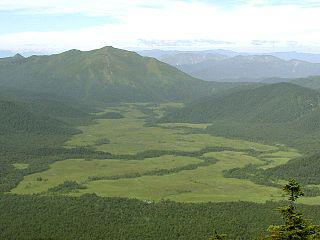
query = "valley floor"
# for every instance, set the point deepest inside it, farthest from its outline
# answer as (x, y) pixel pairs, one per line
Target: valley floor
(151, 162)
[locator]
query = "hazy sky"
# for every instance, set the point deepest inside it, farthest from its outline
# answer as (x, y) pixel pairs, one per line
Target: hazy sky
(243, 25)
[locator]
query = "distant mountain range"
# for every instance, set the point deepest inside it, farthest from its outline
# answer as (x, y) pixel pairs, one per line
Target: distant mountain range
(7, 53)
(229, 66)
(250, 68)
(308, 57)
(157, 53)
(221, 65)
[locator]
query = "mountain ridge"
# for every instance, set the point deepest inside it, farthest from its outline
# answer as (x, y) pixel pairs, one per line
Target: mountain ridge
(250, 67)
(274, 103)
(107, 74)
(280, 113)
(229, 66)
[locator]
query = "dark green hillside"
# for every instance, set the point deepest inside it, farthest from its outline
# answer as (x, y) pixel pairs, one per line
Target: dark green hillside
(16, 118)
(107, 74)
(59, 110)
(306, 169)
(26, 127)
(32, 113)
(275, 103)
(309, 82)
(47, 104)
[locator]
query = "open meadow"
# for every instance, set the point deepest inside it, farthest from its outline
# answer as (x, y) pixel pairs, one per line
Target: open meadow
(151, 162)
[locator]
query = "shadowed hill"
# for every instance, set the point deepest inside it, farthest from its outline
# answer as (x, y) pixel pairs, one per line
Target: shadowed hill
(309, 82)
(18, 118)
(27, 112)
(275, 103)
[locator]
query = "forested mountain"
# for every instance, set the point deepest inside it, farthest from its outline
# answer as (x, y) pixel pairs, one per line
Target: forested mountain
(107, 75)
(283, 112)
(309, 82)
(272, 103)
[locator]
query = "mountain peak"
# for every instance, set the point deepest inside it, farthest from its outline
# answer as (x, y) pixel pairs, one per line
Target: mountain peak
(108, 47)
(107, 74)
(18, 56)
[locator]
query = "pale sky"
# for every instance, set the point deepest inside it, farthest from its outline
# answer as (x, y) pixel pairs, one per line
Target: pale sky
(241, 25)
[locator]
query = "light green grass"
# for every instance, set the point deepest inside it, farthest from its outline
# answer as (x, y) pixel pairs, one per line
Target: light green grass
(129, 136)
(200, 185)
(186, 125)
(282, 154)
(20, 166)
(310, 200)
(80, 170)
(279, 158)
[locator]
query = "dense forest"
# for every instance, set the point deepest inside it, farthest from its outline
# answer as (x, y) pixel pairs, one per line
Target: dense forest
(92, 217)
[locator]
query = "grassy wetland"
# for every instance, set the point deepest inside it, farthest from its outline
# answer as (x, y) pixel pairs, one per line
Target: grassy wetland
(156, 161)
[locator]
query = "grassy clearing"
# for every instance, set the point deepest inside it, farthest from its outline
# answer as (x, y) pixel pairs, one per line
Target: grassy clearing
(130, 136)
(310, 200)
(80, 170)
(20, 166)
(185, 125)
(200, 185)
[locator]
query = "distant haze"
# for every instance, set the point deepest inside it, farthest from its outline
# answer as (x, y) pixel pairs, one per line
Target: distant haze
(223, 65)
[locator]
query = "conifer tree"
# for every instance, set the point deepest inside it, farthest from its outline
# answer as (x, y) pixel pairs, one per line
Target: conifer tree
(295, 227)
